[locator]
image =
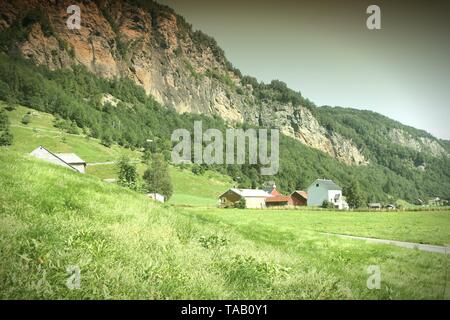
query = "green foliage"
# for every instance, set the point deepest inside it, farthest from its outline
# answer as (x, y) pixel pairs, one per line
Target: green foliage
(213, 241)
(157, 178)
(241, 204)
(26, 119)
(197, 169)
(327, 205)
(66, 125)
(6, 137)
(354, 195)
(106, 141)
(127, 173)
(223, 78)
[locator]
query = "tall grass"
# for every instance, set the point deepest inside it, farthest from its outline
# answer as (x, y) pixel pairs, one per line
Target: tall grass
(127, 246)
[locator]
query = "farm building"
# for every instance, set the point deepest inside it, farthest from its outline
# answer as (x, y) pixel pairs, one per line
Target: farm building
(271, 188)
(279, 201)
(156, 196)
(254, 198)
(376, 206)
(68, 160)
(323, 190)
(299, 198)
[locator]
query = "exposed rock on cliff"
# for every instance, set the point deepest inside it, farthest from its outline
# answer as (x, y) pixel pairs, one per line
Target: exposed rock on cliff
(183, 69)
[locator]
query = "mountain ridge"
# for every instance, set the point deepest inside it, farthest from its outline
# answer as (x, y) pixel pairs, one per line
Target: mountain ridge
(187, 72)
(181, 68)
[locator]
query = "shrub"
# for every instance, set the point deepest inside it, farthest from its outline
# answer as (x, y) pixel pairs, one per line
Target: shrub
(241, 204)
(213, 241)
(26, 119)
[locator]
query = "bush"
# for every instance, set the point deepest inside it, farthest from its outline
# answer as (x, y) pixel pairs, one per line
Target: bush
(213, 241)
(327, 205)
(26, 119)
(241, 204)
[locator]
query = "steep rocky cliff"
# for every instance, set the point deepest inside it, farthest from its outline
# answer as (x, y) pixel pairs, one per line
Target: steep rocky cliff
(153, 46)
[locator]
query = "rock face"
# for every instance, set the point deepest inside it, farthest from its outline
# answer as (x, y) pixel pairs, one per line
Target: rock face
(158, 50)
(421, 144)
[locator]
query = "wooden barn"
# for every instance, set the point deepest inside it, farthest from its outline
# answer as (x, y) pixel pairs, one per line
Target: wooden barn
(299, 198)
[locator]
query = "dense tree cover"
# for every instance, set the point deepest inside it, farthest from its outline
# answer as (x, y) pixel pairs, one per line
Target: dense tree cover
(276, 91)
(6, 137)
(75, 97)
(370, 132)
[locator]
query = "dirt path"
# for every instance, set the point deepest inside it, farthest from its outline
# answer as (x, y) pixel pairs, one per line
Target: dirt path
(409, 245)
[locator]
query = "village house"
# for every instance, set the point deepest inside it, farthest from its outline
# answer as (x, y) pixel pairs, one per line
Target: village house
(254, 198)
(68, 160)
(299, 198)
(323, 190)
(279, 201)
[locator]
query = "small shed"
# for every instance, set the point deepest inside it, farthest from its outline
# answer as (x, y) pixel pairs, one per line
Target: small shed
(68, 160)
(299, 198)
(376, 206)
(74, 160)
(156, 197)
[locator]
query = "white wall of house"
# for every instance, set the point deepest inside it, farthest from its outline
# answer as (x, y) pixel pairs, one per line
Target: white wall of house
(255, 202)
(332, 198)
(156, 196)
(80, 167)
(318, 194)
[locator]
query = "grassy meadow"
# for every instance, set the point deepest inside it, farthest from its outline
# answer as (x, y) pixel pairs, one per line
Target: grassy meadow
(189, 189)
(128, 247)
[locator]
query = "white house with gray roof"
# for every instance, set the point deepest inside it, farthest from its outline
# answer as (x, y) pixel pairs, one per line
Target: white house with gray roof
(68, 160)
(325, 190)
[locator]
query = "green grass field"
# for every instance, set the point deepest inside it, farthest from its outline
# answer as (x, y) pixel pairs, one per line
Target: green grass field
(126, 246)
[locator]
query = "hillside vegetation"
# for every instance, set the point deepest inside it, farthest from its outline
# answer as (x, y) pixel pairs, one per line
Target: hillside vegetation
(117, 96)
(189, 189)
(76, 99)
(126, 246)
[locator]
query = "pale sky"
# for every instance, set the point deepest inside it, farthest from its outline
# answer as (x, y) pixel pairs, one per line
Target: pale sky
(324, 50)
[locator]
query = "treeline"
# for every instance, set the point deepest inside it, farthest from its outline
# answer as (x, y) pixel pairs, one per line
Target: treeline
(77, 98)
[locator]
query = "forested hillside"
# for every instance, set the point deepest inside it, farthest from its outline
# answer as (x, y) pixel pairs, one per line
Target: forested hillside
(119, 111)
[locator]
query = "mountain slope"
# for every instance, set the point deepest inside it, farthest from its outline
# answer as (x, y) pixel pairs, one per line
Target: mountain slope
(99, 77)
(181, 68)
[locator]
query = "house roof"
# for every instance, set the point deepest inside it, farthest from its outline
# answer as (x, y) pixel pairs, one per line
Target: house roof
(56, 156)
(327, 184)
(278, 199)
(303, 194)
(256, 193)
(70, 158)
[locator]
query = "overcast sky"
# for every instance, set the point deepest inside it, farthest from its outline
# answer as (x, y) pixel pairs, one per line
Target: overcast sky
(324, 50)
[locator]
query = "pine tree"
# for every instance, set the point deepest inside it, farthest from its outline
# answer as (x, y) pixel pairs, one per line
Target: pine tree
(157, 178)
